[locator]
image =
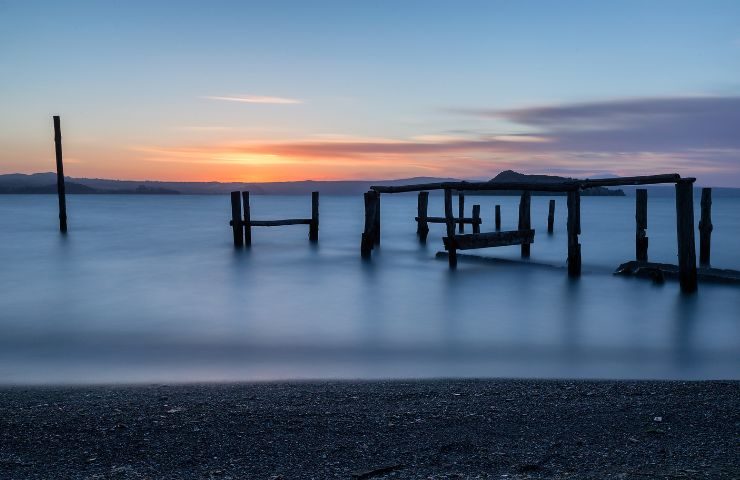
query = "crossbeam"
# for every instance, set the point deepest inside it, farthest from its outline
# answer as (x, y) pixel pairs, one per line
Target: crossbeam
(465, 220)
(491, 239)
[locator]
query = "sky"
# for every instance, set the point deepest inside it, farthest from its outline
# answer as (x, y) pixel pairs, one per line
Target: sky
(327, 90)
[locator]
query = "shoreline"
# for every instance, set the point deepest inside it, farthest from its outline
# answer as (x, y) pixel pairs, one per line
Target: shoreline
(445, 428)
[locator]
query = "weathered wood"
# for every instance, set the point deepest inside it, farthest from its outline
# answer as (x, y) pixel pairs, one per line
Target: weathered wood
(376, 239)
(653, 270)
(280, 223)
(705, 227)
(422, 226)
(451, 247)
(368, 235)
(551, 216)
(476, 219)
(461, 211)
(638, 180)
(498, 217)
(574, 229)
(641, 239)
(60, 175)
(491, 239)
(685, 235)
(236, 222)
(525, 220)
(467, 220)
(247, 219)
(313, 229)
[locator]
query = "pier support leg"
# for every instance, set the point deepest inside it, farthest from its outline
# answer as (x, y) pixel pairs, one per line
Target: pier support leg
(525, 220)
(551, 216)
(461, 211)
(60, 175)
(574, 229)
(247, 219)
(376, 239)
(641, 239)
(313, 228)
(236, 219)
(685, 235)
(422, 227)
(368, 236)
(705, 227)
(476, 218)
(498, 218)
(450, 222)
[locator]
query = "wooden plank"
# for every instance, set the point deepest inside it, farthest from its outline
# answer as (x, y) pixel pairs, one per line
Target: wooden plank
(247, 219)
(476, 219)
(685, 235)
(574, 229)
(705, 227)
(236, 222)
(491, 239)
(313, 229)
(451, 246)
(468, 220)
(551, 216)
(60, 175)
(641, 239)
(525, 220)
(638, 180)
(368, 235)
(460, 211)
(498, 217)
(280, 223)
(422, 226)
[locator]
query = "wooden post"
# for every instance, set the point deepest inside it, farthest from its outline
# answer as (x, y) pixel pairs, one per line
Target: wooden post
(574, 229)
(247, 224)
(705, 227)
(450, 222)
(685, 235)
(368, 236)
(60, 175)
(476, 218)
(641, 239)
(551, 216)
(525, 221)
(313, 228)
(376, 227)
(498, 217)
(236, 221)
(422, 227)
(461, 210)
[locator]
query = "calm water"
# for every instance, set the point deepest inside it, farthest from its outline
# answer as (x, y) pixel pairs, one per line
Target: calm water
(151, 289)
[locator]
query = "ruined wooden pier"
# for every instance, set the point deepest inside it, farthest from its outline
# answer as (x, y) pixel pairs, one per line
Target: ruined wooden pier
(242, 225)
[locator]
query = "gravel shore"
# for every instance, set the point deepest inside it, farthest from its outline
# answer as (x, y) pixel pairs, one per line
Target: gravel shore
(381, 429)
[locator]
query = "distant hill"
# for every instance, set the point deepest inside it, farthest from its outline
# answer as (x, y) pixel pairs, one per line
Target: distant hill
(512, 176)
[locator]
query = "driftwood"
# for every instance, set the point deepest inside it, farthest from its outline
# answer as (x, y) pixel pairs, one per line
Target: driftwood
(641, 239)
(60, 175)
(490, 239)
(685, 234)
(705, 227)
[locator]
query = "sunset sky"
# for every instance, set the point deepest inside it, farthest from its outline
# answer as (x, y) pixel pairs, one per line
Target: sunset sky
(273, 90)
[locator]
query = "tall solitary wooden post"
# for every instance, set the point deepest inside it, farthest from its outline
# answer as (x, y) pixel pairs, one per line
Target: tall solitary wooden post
(574, 229)
(422, 227)
(525, 221)
(368, 236)
(313, 228)
(247, 219)
(498, 217)
(450, 222)
(641, 239)
(476, 218)
(60, 175)
(551, 216)
(705, 227)
(461, 211)
(236, 219)
(685, 235)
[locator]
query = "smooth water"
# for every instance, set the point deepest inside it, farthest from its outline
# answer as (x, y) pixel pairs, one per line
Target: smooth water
(151, 289)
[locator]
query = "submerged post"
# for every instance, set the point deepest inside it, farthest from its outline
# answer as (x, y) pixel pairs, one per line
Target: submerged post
(641, 239)
(685, 235)
(476, 218)
(313, 228)
(368, 236)
(551, 216)
(461, 210)
(60, 175)
(422, 227)
(236, 221)
(574, 229)
(525, 221)
(498, 217)
(450, 222)
(705, 227)
(247, 219)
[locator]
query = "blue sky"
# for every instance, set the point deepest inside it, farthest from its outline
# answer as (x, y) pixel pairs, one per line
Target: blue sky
(144, 87)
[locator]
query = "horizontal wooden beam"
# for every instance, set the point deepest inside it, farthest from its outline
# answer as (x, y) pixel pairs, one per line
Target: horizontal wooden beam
(640, 180)
(466, 220)
(491, 239)
(279, 223)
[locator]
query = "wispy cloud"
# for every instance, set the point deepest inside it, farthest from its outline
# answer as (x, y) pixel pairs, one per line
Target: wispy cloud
(255, 99)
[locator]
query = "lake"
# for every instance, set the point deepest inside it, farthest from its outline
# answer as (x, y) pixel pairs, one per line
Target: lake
(151, 289)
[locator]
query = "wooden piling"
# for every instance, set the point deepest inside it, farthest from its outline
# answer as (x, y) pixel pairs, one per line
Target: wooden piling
(498, 217)
(705, 227)
(476, 219)
(236, 221)
(641, 239)
(525, 221)
(422, 227)
(461, 210)
(247, 219)
(313, 228)
(60, 175)
(376, 227)
(551, 216)
(685, 235)
(574, 229)
(450, 222)
(368, 236)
